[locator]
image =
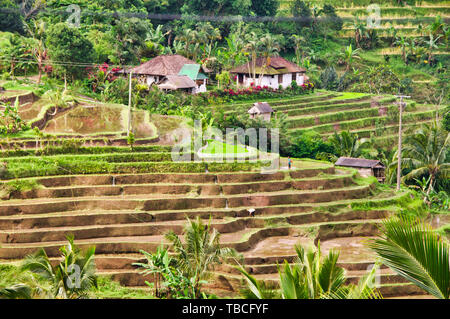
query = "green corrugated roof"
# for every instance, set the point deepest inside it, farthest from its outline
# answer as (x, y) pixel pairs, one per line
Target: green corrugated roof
(192, 71)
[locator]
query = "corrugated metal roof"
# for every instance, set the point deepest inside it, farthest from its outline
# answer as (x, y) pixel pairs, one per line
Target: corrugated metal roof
(192, 71)
(357, 162)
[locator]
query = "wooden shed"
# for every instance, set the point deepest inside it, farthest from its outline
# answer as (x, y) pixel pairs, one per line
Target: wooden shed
(364, 166)
(261, 109)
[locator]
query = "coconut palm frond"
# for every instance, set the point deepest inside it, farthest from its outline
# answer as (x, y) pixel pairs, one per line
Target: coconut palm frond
(416, 252)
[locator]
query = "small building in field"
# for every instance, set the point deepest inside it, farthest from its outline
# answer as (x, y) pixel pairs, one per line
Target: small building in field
(177, 82)
(157, 69)
(271, 72)
(261, 109)
(364, 166)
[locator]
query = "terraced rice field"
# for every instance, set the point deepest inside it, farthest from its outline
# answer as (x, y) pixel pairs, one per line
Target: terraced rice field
(122, 213)
(404, 19)
(327, 112)
(123, 200)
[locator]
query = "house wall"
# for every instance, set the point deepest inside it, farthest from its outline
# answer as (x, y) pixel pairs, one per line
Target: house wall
(153, 79)
(272, 81)
(264, 116)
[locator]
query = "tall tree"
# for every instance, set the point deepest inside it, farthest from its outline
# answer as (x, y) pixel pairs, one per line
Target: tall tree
(37, 31)
(265, 8)
(10, 17)
(67, 48)
(129, 35)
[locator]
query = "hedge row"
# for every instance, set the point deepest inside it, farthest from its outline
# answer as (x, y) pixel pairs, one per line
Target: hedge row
(330, 103)
(60, 150)
(277, 102)
(338, 107)
(67, 167)
(291, 104)
(333, 117)
(110, 158)
(369, 121)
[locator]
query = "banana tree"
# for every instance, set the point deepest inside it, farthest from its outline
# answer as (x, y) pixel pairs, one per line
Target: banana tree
(349, 55)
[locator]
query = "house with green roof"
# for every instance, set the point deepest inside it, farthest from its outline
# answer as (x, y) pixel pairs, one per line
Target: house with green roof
(193, 71)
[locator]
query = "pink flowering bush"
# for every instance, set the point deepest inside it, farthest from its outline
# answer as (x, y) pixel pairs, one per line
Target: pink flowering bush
(100, 75)
(259, 91)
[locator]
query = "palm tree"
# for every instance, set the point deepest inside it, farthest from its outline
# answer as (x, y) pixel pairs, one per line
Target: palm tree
(298, 41)
(59, 98)
(257, 289)
(252, 47)
(73, 277)
(313, 276)
(269, 47)
(187, 36)
(426, 152)
(37, 31)
(348, 144)
(18, 291)
(349, 55)
(414, 251)
(200, 253)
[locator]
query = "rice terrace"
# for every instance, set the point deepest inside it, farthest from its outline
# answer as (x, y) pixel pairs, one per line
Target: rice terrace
(159, 150)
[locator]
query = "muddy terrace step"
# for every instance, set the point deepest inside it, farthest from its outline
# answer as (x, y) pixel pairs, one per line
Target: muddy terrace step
(172, 202)
(188, 188)
(294, 215)
(148, 228)
(149, 178)
(241, 240)
(117, 230)
(125, 244)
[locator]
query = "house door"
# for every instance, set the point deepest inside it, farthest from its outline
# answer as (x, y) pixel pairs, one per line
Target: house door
(241, 78)
(280, 78)
(294, 77)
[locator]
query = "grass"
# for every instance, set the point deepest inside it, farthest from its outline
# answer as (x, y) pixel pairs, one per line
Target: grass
(110, 289)
(12, 274)
(349, 95)
(216, 147)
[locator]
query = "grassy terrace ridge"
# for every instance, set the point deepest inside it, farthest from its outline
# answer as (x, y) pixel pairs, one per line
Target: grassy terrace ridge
(328, 108)
(386, 130)
(324, 100)
(370, 121)
(319, 94)
(60, 150)
(309, 120)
